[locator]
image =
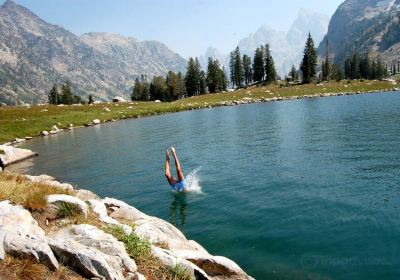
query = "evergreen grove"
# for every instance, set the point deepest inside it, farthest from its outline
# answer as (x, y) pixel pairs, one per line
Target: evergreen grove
(244, 71)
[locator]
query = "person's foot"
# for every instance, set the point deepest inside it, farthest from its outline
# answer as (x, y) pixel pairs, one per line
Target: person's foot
(167, 155)
(173, 150)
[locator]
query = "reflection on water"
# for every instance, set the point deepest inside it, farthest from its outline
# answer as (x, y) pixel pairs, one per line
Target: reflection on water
(178, 210)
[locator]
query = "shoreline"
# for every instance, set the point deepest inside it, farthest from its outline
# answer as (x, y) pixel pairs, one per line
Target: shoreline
(63, 238)
(189, 107)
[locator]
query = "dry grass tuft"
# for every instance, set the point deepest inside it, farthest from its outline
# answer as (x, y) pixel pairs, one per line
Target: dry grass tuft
(19, 190)
(26, 269)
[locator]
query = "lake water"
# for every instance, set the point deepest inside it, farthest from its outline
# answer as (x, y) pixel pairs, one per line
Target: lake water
(304, 189)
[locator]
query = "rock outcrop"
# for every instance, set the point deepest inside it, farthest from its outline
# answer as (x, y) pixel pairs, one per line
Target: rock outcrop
(92, 252)
(9, 155)
(21, 236)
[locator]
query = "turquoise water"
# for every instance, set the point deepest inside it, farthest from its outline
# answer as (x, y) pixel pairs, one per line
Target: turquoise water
(305, 189)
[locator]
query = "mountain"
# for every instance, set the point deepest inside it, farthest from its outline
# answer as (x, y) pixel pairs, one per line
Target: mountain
(35, 54)
(360, 25)
(286, 47)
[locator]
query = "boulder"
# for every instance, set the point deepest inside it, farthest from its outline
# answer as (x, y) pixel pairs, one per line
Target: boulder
(106, 109)
(167, 258)
(9, 155)
(45, 133)
(123, 211)
(40, 178)
(21, 236)
(215, 266)
(92, 252)
(118, 99)
(159, 231)
(100, 209)
(61, 186)
(56, 199)
(85, 195)
(96, 121)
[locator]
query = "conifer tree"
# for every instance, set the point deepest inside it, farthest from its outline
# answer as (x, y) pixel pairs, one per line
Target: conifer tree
(248, 71)
(258, 66)
(66, 96)
(270, 71)
(90, 101)
(192, 78)
(53, 95)
(202, 83)
(237, 71)
(355, 72)
(326, 65)
(293, 74)
(308, 65)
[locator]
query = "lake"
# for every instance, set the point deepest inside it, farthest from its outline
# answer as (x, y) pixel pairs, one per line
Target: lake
(302, 189)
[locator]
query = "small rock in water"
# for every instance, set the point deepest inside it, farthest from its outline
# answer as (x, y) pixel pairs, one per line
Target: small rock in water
(96, 121)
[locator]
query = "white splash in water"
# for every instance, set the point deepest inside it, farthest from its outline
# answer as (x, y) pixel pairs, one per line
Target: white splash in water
(193, 182)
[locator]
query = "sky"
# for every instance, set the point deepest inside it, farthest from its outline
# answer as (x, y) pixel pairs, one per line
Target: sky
(188, 27)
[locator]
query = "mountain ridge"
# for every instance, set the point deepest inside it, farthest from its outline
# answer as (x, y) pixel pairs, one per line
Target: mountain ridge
(35, 54)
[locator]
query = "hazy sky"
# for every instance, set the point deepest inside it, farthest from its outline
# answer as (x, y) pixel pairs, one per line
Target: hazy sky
(186, 26)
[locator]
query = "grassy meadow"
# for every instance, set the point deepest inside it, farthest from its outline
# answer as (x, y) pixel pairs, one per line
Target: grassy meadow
(20, 122)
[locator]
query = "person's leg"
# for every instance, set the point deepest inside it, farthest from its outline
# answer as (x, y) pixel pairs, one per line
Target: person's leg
(177, 165)
(167, 169)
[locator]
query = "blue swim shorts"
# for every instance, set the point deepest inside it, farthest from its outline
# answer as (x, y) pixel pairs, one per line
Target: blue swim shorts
(179, 186)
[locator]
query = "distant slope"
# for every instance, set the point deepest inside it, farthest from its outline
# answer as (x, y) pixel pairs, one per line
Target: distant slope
(35, 54)
(358, 25)
(286, 47)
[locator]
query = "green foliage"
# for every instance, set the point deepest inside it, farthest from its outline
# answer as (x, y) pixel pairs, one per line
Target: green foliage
(248, 71)
(68, 210)
(136, 247)
(258, 65)
(175, 86)
(53, 95)
(216, 77)
(66, 96)
(179, 272)
(293, 74)
(90, 101)
(237, 70)
(357, 68)
(141, 90)
(193, 77)
(336, 73)
(308, 65)
(270, 71)
(326, 65)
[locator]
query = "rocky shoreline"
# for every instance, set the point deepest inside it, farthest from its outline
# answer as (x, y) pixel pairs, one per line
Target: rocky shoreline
(92, 252)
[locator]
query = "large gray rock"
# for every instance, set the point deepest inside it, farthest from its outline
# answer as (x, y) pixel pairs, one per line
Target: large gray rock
(40, 178)
(56, 199)
(85, 195)
(92, 252)
(21, 236)
(9, 155)
(169, 259)
(215, 266)
(123, 211)
(100, 209)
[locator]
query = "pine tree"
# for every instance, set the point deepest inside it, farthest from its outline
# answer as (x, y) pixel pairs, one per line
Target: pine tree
(258, 66)
(90, 99)
(66, 96)
(365, 66)
(355, 72)
(293, 74)
(248, 71)
(158, 89)
(270, 71)
(336, 73)
(326, 65)
(202, 83)
(192, 78)
(237, 71)
(308, 65)
(53, 95)
(212, 75)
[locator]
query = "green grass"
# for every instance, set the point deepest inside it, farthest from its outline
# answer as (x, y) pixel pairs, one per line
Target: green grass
(67, 210)
(19, 122)
(140, 250)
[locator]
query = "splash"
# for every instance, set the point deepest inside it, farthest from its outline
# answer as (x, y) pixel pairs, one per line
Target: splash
(193, 182)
